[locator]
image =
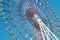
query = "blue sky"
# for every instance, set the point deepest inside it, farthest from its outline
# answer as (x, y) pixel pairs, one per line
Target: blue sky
(55, 4)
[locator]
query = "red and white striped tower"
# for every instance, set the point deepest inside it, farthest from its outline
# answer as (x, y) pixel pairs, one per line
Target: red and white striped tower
(33, 13)
(40, 26)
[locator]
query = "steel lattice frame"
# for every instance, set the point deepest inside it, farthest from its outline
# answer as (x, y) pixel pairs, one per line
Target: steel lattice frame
(44, 11)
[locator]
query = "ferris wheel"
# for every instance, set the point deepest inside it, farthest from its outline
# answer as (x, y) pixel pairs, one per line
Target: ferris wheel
(30, 20)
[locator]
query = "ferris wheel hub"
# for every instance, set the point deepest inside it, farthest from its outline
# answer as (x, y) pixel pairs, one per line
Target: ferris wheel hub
(33, 17)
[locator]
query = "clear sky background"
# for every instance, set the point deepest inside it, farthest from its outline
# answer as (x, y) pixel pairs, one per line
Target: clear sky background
(55, 4)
